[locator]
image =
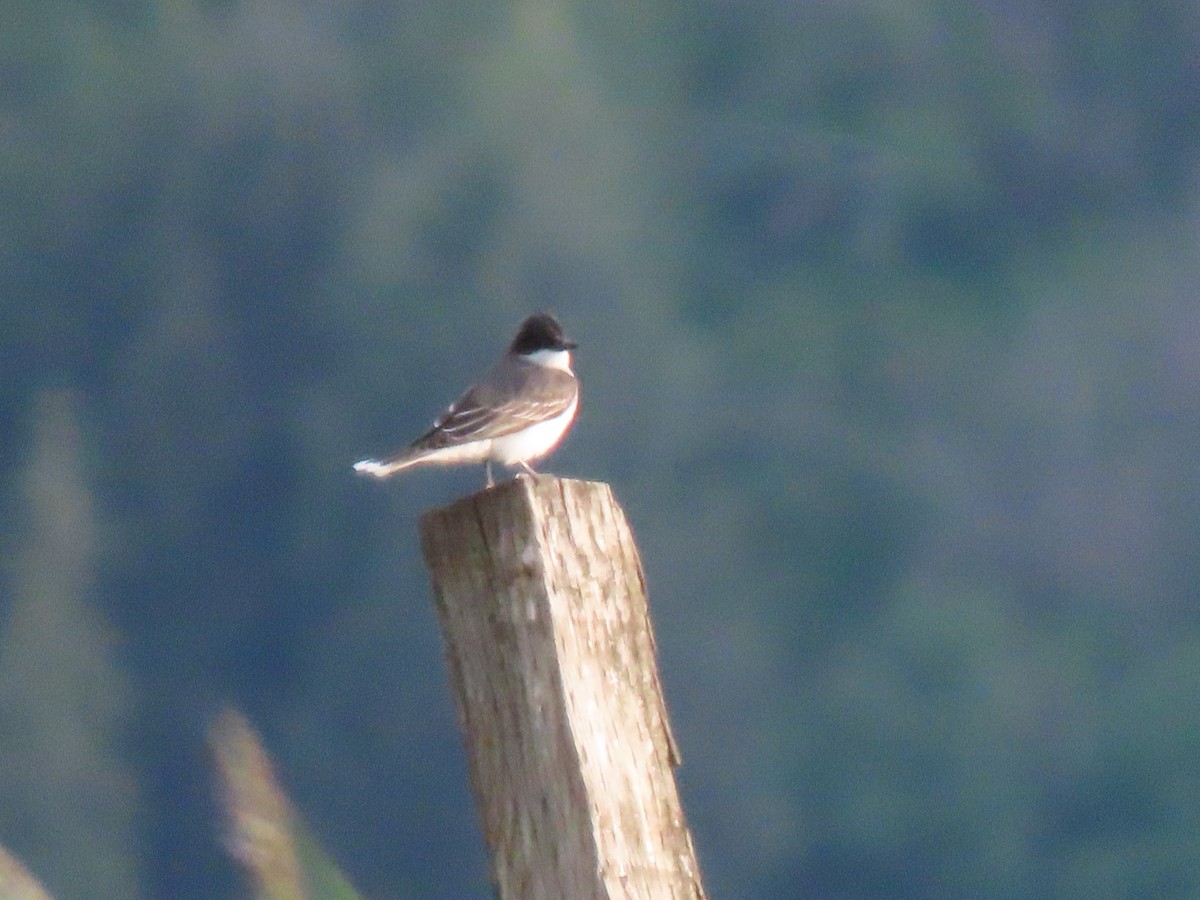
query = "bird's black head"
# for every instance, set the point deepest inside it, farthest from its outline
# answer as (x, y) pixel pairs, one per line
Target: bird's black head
(540, 332)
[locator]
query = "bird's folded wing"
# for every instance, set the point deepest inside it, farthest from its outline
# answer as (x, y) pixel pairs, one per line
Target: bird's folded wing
(493, 409)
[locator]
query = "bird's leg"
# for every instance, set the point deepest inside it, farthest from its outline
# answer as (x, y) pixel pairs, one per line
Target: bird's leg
(487, 467)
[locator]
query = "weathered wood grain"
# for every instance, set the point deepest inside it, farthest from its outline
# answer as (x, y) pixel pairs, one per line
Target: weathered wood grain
(542, 602)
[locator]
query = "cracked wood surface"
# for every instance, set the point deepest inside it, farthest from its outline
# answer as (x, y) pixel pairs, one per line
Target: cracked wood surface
(542, 604)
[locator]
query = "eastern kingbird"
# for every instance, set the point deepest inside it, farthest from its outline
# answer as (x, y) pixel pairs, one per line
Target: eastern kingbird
(517, 412)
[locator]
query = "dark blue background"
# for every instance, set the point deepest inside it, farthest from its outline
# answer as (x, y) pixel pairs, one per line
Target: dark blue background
(889, 346)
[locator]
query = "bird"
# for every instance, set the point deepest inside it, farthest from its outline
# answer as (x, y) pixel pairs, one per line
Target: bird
(517, 412)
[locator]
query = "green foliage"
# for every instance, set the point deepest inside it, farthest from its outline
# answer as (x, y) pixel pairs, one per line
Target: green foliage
(68, 796)
(888, 324)
(281, 859)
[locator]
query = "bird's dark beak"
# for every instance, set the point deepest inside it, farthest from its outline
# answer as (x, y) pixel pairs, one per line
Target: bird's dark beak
(569, 345)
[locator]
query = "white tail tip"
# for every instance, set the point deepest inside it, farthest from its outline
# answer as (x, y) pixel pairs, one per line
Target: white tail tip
(373, 467)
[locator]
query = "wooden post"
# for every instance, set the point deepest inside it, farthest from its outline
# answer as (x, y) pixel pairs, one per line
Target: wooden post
(542, 603)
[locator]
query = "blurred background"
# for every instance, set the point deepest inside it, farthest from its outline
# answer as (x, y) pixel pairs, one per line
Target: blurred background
(889, 344)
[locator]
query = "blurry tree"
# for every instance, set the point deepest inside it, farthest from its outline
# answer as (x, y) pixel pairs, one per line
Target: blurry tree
(68, 798)
(887, 309)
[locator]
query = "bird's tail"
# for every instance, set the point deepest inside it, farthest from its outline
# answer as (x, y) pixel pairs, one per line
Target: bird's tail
(383, 468)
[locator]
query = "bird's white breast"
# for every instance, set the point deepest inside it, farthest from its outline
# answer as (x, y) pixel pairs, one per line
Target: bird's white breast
(535, 441)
